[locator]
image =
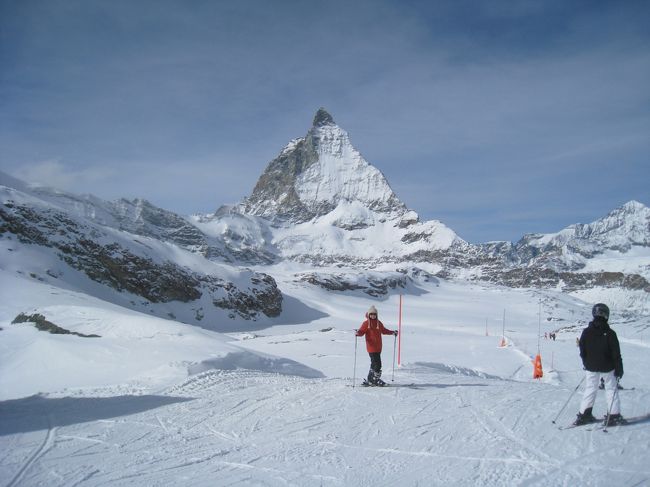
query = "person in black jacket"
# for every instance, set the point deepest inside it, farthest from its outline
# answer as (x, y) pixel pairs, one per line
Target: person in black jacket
(601, 356)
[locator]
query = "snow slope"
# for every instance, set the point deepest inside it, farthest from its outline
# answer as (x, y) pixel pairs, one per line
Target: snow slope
(155, 402)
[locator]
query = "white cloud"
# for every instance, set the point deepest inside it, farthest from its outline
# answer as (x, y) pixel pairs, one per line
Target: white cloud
(54, 173)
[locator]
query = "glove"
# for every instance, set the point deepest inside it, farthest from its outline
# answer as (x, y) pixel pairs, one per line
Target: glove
(618, 374)
(395, 332)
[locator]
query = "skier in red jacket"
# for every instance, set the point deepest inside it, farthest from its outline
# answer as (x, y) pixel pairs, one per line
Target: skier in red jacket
(373, 329)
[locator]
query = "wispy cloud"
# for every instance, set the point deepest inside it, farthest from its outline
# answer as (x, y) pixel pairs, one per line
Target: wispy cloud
(54, 173)
(462, 104)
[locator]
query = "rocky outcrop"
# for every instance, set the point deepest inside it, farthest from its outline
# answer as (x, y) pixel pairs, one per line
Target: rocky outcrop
(111, 261)
(372, 284)
(42, 324)
(264, 297)
(567, 281)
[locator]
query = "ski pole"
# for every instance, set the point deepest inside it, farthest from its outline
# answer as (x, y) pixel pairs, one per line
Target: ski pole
(611, 404)
(394, 346)
(354, 374)
(567, 401)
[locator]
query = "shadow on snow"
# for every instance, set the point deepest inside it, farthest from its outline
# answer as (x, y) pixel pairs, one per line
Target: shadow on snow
(38, 412)
(435, 386)
(256, 361)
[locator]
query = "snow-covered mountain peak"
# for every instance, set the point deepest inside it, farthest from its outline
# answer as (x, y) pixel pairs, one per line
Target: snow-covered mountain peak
(320, 201)
(632, 212)
(623, 227)
(315, 174)
(634, 206)
(627, 225)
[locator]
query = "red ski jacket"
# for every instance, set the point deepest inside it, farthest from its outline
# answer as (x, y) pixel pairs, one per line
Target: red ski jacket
(373, 330)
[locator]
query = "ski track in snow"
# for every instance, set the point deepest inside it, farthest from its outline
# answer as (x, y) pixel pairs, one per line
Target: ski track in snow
(253, 428)
(456, 415)
(47, 443)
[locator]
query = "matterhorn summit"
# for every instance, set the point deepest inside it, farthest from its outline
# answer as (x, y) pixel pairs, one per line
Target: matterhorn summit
(320, 201)
(318, 174)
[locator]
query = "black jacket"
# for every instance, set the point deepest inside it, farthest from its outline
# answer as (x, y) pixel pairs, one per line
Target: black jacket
(599, 348)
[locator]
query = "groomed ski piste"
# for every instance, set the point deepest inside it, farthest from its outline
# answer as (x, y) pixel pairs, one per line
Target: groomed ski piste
(154, 402)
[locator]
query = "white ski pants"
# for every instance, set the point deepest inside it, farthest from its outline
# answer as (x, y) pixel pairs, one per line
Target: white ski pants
(591, 388)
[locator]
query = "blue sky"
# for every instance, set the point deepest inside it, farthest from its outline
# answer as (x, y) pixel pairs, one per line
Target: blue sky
(498, 118)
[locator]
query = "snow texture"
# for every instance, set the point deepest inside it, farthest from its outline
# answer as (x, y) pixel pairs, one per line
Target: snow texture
(156, 402)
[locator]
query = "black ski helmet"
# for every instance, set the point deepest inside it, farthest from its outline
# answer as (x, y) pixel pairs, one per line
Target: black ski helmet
(601, 310)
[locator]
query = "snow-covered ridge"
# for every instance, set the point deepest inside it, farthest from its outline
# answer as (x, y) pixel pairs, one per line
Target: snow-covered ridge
(621, 229)
(623, 235)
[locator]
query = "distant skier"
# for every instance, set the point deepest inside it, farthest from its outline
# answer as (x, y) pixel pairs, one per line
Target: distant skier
(601, 357)
(373, 329)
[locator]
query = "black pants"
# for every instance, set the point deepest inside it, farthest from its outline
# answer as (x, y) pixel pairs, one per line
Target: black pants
(375, 364)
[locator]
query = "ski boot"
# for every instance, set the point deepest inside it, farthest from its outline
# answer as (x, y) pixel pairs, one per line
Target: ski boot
(377, 380)
(614, 420)
(585, 418)
(374, 379)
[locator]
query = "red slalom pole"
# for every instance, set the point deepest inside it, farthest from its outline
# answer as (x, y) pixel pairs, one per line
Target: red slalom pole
(399, 334)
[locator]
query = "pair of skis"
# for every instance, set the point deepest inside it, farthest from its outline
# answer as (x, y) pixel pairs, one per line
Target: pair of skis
(600, 425)
(411, 385)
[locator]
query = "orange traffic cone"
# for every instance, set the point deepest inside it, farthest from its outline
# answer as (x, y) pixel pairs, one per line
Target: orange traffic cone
(503, 342)
(537, 367)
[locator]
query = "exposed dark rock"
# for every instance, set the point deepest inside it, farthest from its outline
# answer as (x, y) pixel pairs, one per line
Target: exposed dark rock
(42, 324)
(322, 118)
(264, 298)
(276, 184)
(372, 284)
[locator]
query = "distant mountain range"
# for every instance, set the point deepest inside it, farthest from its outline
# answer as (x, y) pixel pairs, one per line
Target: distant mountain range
(319, 204)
